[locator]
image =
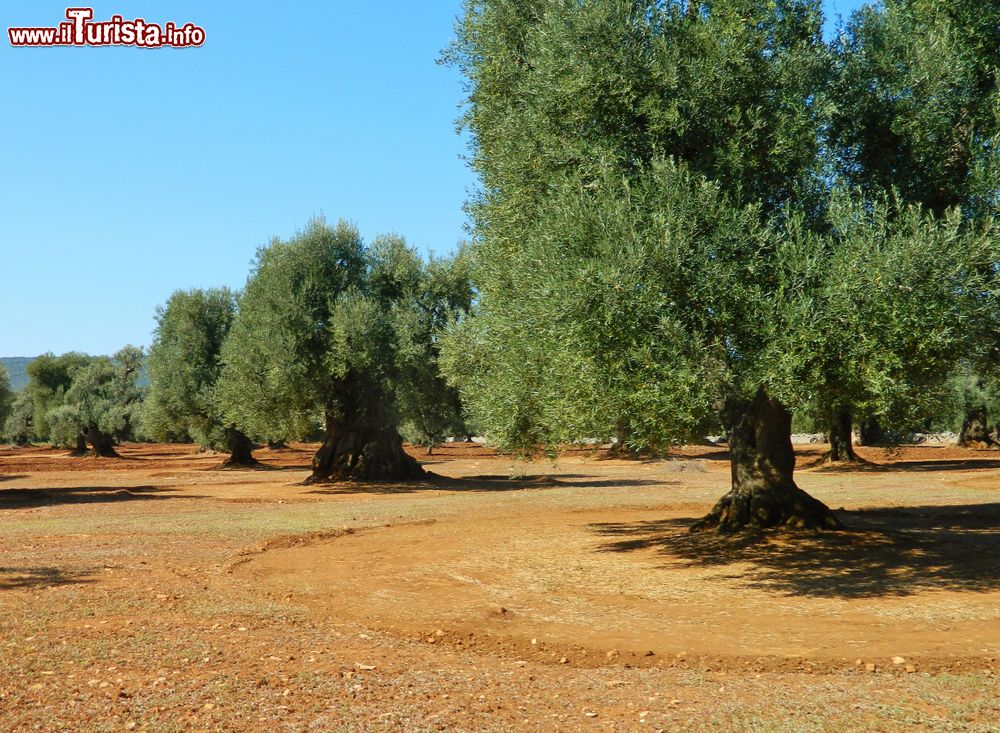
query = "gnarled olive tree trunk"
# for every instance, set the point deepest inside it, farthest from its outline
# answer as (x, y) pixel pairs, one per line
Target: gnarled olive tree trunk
(841, 438)
(101, 443)
(975, 430)
(362, 454)
(240, 449)
(763, 492)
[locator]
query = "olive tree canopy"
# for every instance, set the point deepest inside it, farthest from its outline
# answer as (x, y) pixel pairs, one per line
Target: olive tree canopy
(330, 328)
(101, 405)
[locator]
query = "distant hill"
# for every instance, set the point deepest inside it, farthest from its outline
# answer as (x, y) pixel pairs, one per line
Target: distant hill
(17, 369)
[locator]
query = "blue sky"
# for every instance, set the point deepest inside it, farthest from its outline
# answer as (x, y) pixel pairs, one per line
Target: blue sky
(129, 173)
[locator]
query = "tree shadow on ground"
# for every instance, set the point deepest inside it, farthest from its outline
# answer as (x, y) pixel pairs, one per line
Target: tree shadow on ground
(714, 453)
(89, 455)
(637, 459)
(720, 454)
(943, 464)
(887, 552)
(823, 462)
(26, 578)
(26, 498)
(259, 466)
(819, 461)
(481, 483)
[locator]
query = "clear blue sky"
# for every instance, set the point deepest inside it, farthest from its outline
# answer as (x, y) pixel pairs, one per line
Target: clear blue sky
(128, 173)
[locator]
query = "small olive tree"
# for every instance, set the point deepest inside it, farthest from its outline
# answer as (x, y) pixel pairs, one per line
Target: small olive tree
(18, 426)
(184, 371)
(430, 407)
(49, 376)
(101, 405)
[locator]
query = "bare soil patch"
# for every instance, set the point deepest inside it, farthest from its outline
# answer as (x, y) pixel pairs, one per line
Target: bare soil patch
(156, 593)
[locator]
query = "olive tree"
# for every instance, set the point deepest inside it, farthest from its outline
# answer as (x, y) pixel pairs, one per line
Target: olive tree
(49, 376)
(102, 404)
(974, 397)
(733, 89)
(431, 408)
(657, 300)
(6, 396)
(18, 426)
(184, 370)
(325, 330)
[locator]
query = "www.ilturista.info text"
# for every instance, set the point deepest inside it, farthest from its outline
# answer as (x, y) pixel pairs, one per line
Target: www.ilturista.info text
(80, 30)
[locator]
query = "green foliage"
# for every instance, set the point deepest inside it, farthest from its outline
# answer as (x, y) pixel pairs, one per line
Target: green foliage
(917, 110)
(735, 91)
(564, 97)
(66, 425)
(289, 352)
(572, 337)
(431, 408)
(622, 295)
(184, 367)
(49, 377)
(917, 103)
(332, 330)
(903, 296)
(103, 396)
(631, 308)
(6, 396)
(18, 426)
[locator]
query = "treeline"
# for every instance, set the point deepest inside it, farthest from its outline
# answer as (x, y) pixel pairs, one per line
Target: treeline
(331, 339)
(75, 401)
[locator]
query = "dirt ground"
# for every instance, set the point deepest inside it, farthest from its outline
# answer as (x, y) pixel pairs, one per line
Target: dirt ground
(157, 593)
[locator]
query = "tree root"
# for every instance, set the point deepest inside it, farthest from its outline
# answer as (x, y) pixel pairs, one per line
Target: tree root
(790, 508)
(247, 463)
